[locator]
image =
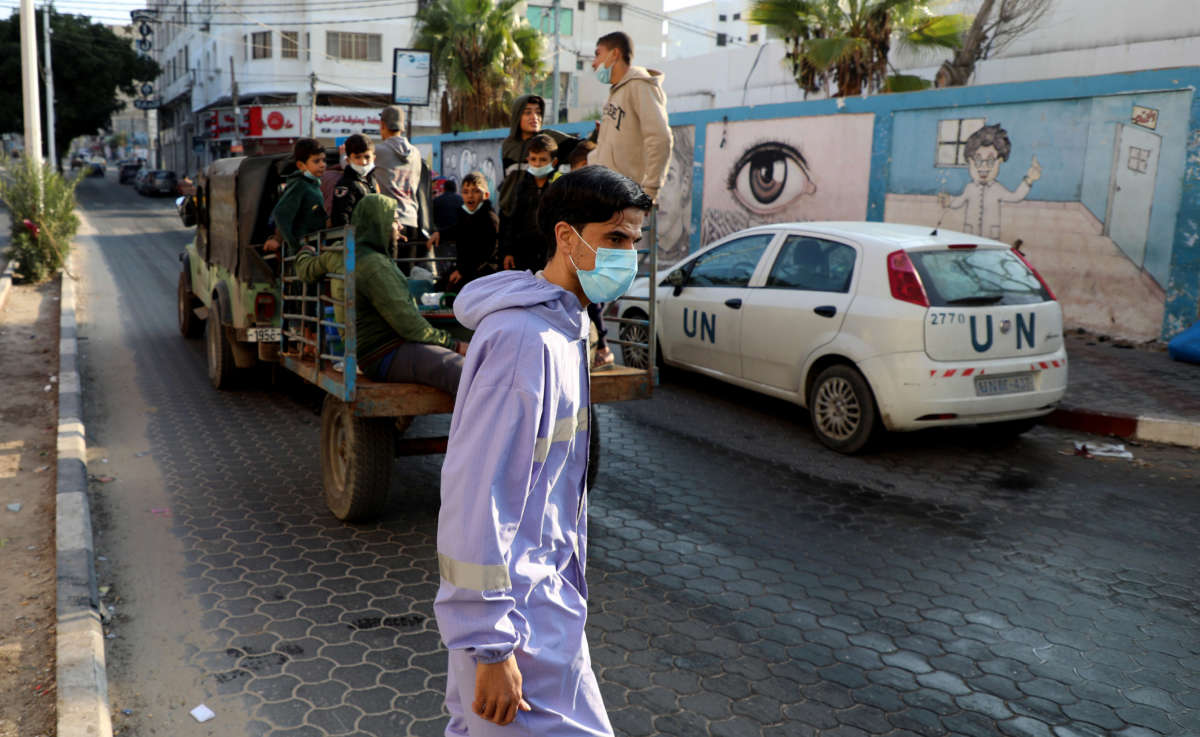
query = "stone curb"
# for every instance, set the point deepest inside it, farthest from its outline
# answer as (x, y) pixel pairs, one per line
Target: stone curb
(82, 682)
(6, 282)
(1135, 427)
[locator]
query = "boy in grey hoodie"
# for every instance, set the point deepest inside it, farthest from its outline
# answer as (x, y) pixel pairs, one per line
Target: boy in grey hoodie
(634, 137)
(398, 168)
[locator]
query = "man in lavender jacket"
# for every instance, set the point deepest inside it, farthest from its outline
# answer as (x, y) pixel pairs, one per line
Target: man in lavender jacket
(512, 532)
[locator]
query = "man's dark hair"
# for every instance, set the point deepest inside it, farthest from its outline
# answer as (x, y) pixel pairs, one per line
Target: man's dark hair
(990, 135)
(477, 179)
(579, 154)
(449, 187)
(306, 148)
(541, 144)
(617, 40)
(593, 194)
(359, 144)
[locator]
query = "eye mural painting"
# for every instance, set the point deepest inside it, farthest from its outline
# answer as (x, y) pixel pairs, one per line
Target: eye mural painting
(1091, 187)
(784, 170)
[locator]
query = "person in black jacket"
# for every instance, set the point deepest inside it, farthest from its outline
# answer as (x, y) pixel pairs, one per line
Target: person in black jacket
(474, 234)
(356, 181)
(522, 244)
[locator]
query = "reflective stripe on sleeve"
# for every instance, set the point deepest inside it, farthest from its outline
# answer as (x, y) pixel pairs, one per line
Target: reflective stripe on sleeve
(564, 430)
(473, 576)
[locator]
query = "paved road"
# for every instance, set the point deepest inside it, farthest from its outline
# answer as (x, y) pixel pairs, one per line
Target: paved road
(744, 580)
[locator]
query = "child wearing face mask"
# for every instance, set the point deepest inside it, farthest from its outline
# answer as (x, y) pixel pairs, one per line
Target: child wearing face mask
(301, 208)
(474, 233)
(356, 181)
(522, 245)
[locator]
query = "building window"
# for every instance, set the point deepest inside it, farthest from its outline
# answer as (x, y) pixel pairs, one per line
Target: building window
(952, 140)
(245, 47)
(737, 16)
(579, 65)
(307, 46)
(542, 18)
(721, 17)
(582, 5)
(289, 44)
(260, 45)
(753, 37)
(610, 11)
(722, 39)
(354, 46)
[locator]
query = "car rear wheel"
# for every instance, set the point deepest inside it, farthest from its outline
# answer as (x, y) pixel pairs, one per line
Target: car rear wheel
(189, 324)
(635, 356)
(842, 409)
(221, 368)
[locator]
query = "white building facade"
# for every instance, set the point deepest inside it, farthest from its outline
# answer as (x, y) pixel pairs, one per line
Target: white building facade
(710, 27)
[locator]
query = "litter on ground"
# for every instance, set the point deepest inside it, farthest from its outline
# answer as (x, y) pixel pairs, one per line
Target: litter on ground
(202, 713)
(1102, 450)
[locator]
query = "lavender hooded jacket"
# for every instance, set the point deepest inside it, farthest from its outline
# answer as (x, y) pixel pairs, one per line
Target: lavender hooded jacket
(512, 530)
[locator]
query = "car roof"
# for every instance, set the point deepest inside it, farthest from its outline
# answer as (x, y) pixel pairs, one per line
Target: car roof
(892, 235)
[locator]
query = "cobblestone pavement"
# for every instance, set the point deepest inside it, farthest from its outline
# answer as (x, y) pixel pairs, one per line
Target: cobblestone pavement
(744, 581)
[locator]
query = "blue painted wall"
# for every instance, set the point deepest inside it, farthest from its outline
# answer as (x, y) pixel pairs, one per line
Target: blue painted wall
(1069, 124)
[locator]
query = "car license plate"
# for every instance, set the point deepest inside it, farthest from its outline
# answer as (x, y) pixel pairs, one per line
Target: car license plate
(263, 335)
(990, 386)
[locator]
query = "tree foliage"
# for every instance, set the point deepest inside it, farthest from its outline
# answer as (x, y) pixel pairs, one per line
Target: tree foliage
(846, 42)
(486, 54)
(92, 64)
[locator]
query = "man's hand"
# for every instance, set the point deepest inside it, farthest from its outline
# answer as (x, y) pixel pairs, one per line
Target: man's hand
(1035, 171)
(510, 262)
(271, 246)
(498, 688)
(461, 348)
(455, 277)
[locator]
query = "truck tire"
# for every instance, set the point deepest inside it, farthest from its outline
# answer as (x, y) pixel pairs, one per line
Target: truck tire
(356, 461)
(189, 324)
(221, 368)
(842, 409)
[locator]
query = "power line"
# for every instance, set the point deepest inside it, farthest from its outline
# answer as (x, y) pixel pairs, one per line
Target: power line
(289, 9)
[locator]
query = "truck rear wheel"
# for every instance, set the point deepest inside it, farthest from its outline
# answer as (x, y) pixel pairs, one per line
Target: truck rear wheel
(189, 324)
(221, 368)
(356, 461)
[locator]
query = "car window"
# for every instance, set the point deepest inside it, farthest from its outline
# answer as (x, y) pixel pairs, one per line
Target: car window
(731, 264)
(977, 276)
(812, 264)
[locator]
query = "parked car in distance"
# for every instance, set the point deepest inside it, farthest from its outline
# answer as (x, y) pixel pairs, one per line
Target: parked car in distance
(95, 169)
(869, 326)
(128, 173)
(158, 182)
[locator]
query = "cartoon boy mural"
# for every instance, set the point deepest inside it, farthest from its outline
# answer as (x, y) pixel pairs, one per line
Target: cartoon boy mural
(986, 150)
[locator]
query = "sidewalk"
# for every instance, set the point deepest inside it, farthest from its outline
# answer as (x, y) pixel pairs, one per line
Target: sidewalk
(1137, 393)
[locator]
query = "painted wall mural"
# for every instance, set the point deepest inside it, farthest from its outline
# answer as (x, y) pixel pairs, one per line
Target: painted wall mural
(675, 199)
(1090, 186)
(459, 158)
(782, 170)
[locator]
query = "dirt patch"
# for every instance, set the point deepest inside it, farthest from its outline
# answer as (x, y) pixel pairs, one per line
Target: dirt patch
(28, 421)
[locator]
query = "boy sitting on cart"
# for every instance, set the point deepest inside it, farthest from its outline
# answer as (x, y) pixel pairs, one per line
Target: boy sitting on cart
(395, 343)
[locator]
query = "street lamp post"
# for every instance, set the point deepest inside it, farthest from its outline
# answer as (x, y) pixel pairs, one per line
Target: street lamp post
(30, 97)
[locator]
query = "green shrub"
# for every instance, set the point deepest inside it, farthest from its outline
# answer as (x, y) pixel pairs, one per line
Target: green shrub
(42, 249)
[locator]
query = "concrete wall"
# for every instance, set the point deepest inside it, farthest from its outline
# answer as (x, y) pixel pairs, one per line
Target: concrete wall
(1110, 216)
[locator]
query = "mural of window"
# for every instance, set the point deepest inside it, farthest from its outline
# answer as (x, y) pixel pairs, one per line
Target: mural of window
(260, 45)
(289, 44)
(610, 11)
(354, 46)
(1139, 159)
(541, 17)
(952, 140)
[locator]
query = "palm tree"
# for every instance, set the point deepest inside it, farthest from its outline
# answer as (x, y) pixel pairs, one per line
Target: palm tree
(846, 42)
(485, 53)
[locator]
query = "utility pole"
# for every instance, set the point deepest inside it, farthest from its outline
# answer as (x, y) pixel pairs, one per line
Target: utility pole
(48, 73)
(30, 95)
(554, 96)
(236, 146)
(312, 110)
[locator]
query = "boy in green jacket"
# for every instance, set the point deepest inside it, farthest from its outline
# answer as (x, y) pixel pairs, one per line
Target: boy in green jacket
(395, 343)
(301, 207)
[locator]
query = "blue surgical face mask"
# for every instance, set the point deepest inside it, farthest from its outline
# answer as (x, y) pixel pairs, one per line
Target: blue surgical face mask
(469, 211)
(604, 74)
(310, 175)
(540, 171)
(615, 270)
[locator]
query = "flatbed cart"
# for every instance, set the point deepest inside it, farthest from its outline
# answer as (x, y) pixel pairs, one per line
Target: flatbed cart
(363, 422)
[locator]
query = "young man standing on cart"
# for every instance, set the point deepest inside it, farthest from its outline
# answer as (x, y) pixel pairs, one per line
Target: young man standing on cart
(512, 535)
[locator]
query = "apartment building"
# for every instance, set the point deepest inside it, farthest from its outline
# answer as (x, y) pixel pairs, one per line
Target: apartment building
(710, 27)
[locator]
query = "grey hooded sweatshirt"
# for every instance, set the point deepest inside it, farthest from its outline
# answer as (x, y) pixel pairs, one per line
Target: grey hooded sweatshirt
(398, 174)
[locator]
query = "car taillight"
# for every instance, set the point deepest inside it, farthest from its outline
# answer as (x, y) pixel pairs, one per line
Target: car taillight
(1035, 273)
(264, 307)
(905, 282)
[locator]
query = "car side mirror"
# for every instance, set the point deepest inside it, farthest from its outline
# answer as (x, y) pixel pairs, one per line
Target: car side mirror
(676, 279)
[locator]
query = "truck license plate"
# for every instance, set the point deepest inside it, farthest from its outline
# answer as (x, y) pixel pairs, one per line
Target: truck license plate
(990, 386)
(263, 335)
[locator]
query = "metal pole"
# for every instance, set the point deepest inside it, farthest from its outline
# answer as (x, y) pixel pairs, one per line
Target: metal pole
(31, 96)
(554, 96)
(236, 144)
(48, 72)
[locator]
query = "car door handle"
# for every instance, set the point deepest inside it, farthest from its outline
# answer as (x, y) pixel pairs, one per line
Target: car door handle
(734, 302)
(825, 310)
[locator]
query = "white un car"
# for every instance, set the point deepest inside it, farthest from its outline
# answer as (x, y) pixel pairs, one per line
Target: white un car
(869, 325)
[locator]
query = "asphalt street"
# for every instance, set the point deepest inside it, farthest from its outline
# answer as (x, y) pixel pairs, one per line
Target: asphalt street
(744, 580)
